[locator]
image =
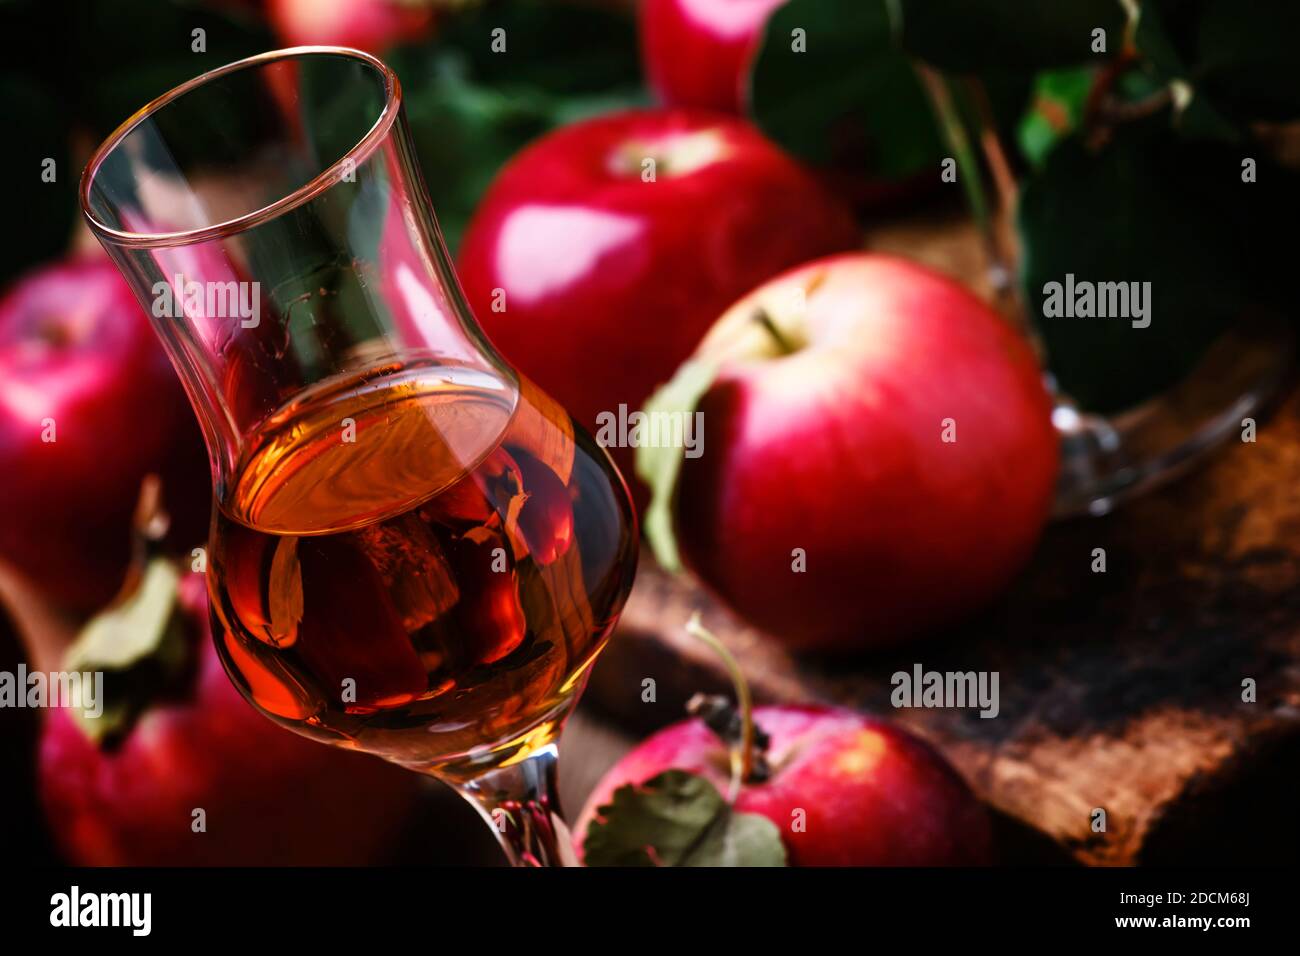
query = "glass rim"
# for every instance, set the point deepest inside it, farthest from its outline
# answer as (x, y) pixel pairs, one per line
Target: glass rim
(322, 181)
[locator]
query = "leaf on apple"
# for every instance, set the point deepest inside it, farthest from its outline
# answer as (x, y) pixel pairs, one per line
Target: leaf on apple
(139, 642)
(679, 819)
(660, 467)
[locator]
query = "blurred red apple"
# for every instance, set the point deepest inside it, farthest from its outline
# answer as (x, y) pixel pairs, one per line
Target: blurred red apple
(269, 796)
(89, 404)
(371, 25)
(879, 457)
(603, 252)
(842, 789)
(697, 52)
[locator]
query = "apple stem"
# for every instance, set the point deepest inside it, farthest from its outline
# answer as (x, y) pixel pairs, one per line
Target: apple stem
(742, 757)
(764, 318)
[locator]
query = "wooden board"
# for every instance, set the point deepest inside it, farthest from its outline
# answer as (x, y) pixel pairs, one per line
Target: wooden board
(1120, 691)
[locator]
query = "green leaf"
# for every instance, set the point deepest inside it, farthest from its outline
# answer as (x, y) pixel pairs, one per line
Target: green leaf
(1059, 97)
(1193, 114)
(968, 37)
(127, 633)
(852, 99)
(659, 468)
(1198, 118)
(565, 49)
(1240, 57)
(139, 641)
(1149, 207)
(679, 819)
(471, 110)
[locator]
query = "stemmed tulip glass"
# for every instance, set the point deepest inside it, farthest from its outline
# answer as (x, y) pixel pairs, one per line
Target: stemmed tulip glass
(414, 552)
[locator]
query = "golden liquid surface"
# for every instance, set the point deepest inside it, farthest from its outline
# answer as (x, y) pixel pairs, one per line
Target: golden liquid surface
(347, 453)
(421, 563)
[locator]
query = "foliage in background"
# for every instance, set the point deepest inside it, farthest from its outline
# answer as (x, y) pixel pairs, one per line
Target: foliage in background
(1130, 160)
(72, 72)
(854, 100)
(470, 109)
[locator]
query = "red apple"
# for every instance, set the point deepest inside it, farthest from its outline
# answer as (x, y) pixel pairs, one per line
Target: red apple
(878, 463)
(89, 404)
(870, 793)
(371, 25)
(606, 280)
(270, 797)
(698, 52)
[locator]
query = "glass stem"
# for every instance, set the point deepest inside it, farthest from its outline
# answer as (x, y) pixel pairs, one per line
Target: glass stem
(521, 804)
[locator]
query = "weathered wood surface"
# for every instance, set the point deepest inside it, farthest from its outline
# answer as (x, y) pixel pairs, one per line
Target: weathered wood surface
(1120, 690)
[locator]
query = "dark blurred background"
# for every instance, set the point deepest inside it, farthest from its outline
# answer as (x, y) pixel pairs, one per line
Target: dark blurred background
(74, 71)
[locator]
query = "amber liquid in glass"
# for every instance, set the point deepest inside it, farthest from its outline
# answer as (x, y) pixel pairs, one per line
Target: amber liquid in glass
(420, 561)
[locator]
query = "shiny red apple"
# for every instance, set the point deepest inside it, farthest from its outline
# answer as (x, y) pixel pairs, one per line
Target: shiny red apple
(269, 797)
(842, 790)
(879, 456)
(603, 252)
(89, 405)
(698, 52)
(371, 25)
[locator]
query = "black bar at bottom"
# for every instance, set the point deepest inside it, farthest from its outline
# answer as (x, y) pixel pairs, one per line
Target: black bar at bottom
(382, 906)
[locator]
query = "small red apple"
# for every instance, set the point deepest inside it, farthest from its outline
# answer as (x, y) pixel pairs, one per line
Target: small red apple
(603, 252)
(269, 797)
(371, 25)
(89, 405)
(697, 52)
(842, 789)
(879, 456)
